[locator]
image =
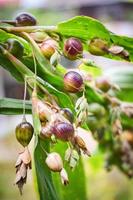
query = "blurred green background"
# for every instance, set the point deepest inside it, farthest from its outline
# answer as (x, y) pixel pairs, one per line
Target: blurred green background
(101, 185)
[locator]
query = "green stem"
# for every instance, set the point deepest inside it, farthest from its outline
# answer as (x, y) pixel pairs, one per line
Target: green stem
(48, 89)
(23, 69)
(29, 29)
(44, 65)
(11, 22)
(37, 51)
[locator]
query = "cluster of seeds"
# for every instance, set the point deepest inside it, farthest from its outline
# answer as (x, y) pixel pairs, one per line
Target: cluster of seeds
(61, 123)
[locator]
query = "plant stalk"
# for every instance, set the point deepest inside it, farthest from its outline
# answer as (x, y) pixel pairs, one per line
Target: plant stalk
(29, 29)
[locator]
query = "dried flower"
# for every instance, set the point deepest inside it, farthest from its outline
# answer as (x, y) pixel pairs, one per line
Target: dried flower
(82, 110)
(64, 177)
(117, 127)
(87, 137)
(22, 164)
(127, 109)
(72, 157)
(46, 131)
(115, 49)
(44, 110)
(81, 144)
(119, 50)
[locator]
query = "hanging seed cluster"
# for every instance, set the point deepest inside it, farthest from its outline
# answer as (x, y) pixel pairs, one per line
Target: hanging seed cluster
(95, 109)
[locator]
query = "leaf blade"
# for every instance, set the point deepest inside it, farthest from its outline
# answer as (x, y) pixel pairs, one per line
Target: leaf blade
(14, 106)
(83, 27)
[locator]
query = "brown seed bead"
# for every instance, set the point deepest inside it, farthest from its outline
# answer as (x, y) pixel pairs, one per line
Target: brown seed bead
(127, 135)
(48, 47)
(63, 131)
(73, 82)
(25, 19)
(103, 84)
(81, 144)
(72, 48)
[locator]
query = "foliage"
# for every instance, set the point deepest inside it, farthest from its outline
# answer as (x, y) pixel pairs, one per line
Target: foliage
(45, 77)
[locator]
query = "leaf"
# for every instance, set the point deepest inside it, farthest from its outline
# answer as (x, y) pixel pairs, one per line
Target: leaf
(96, 162)
(83, 27)
(124, 78)
(44, 179)
(76, 190)
(92, 95)
(43, 175)
(6, 64)
(91, 70)
(64, 99)
(14, 106)
(123, 95)
(45, 65)
(20, 67)
(86, 28)
(4, 36)
(127, 122)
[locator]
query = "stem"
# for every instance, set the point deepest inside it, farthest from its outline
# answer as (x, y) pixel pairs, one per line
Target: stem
(23, 69)
(29, 29)
(44, 65)
(35, 68)
(25, 88)
(37, 52)
(44, 150)
(11, 22)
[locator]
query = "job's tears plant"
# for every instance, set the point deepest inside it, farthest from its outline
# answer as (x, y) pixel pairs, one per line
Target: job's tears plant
(66, 105)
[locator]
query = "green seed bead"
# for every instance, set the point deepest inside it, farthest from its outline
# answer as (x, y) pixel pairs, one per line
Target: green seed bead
(24, 132)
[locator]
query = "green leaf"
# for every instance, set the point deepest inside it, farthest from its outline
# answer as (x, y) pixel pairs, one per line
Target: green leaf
(87, 28)
(14, 106)
(4, 36)
(44, 65)
(42, 173)
(20, 67)
(76, 190)
(63, 99)
(92, 96)
(124, 78)
(44, 179)
(6, 64)
(126, 121)
(91, 70)
(83, 27)
(122, 40)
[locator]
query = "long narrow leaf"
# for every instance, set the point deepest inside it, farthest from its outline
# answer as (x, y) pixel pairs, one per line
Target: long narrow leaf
(14, 106)
(44, 179)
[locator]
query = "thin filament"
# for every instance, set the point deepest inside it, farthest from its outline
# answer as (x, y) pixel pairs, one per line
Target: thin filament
(35, 68)
(24, 99)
